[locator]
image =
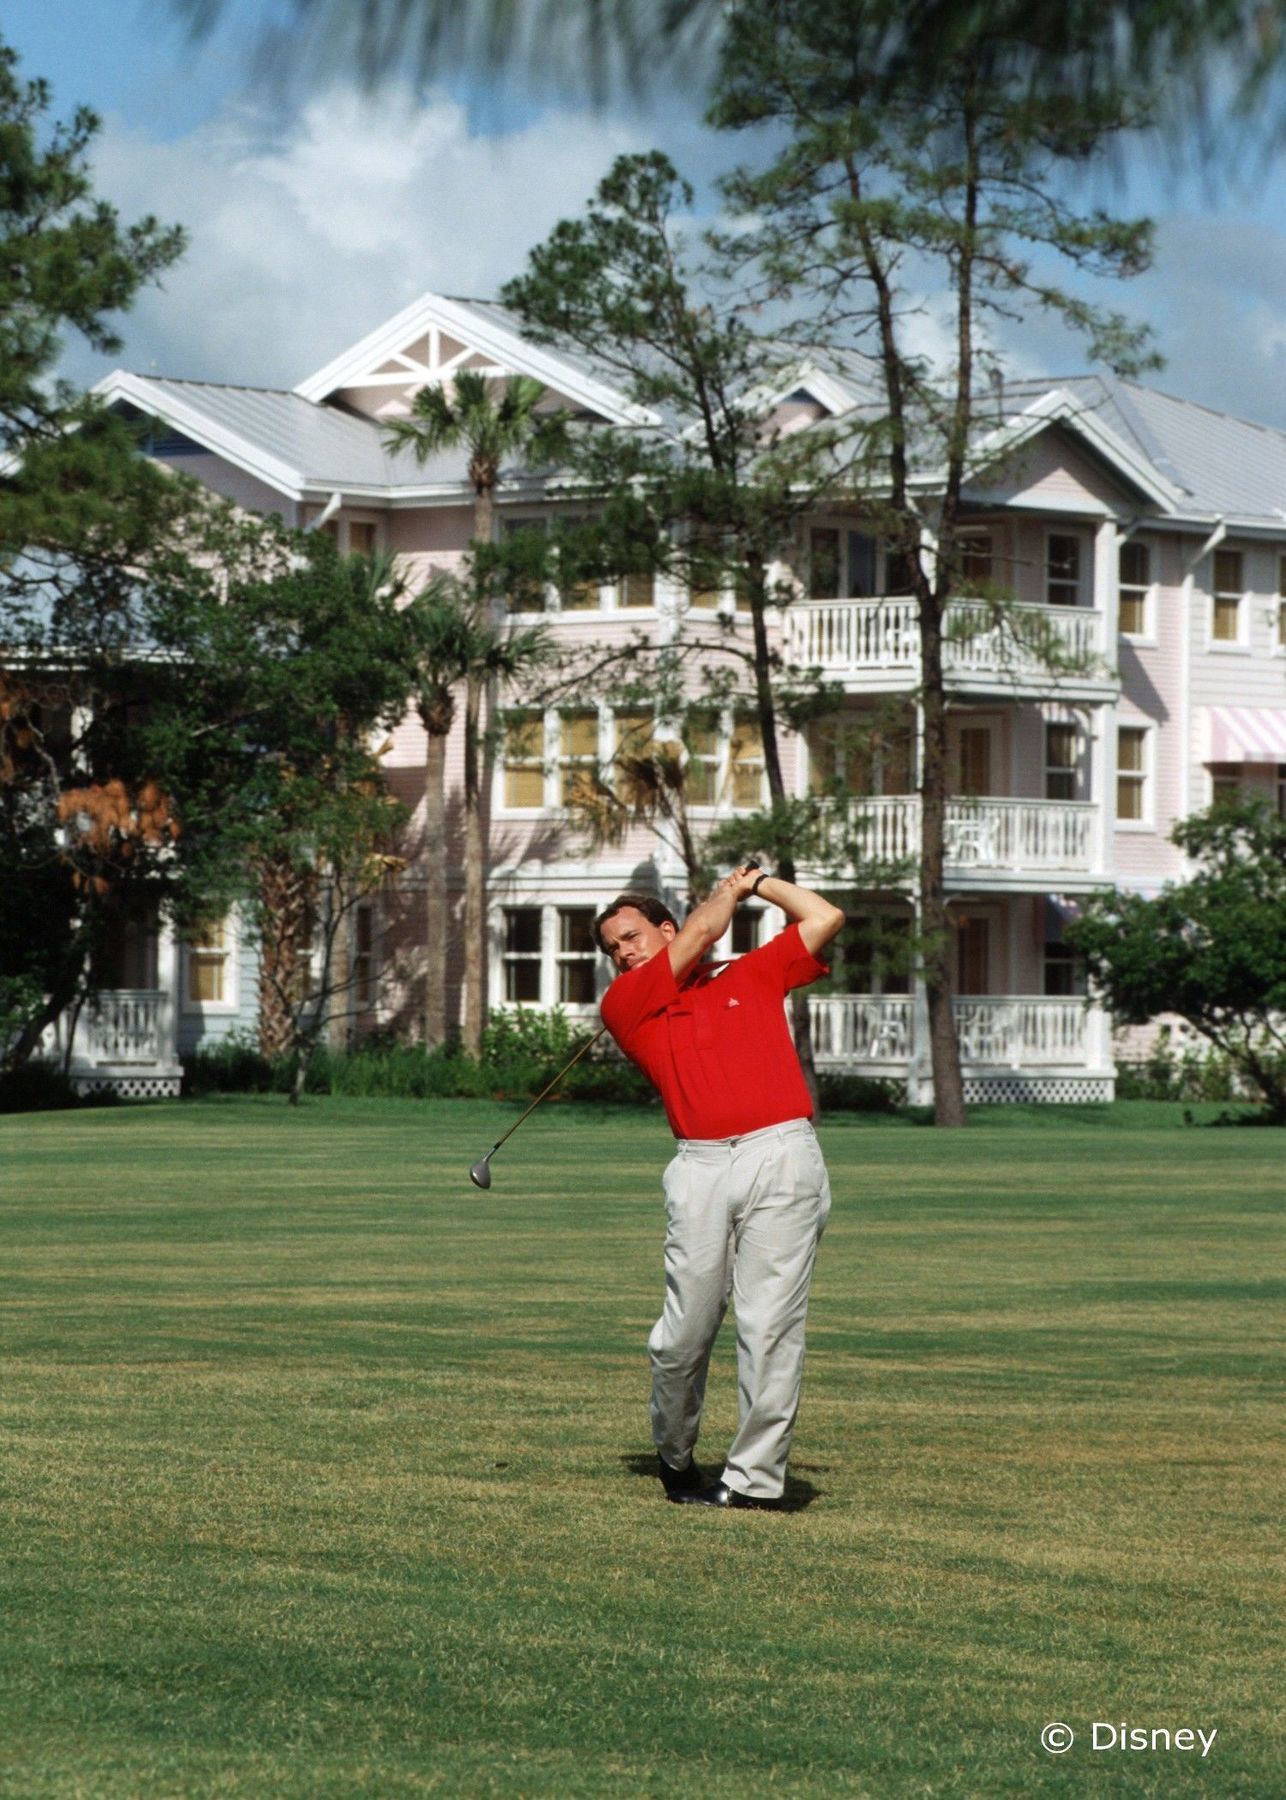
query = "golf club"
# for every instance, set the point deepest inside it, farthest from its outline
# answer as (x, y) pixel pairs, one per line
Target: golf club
(480, 1172)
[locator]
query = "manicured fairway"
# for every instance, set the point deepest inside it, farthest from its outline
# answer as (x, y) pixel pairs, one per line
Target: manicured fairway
(326, 1475)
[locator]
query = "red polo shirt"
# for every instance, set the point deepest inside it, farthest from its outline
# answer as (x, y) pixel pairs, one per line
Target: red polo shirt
(717, 1046)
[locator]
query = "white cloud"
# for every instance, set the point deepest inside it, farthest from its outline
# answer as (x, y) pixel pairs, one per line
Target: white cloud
(305, 237)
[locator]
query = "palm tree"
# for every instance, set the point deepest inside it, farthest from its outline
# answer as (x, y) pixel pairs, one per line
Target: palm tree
(496, 425)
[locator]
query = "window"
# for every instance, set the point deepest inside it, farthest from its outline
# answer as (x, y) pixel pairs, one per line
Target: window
(745, 929)
(975, 760)
(576, 595)
(701, 775)
(1226, 598)
(638, 589)
(824, 563)
(1131, 774)
(1225, 786)
(746, 764)
(976, 558)
(1063, 570)
(1135, 579)
(871, 955)
(363, 971)
(361, 538)
(577, 756)
(635, 747)
(526, 576)
(522, 955)
(973, 956)
(209, 965)
(1060, 762)
(576, 956)
(1281, 602)
(1064, 971)
(524, 760)
(864, 754)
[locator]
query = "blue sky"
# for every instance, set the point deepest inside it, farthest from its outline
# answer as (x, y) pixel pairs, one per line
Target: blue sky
(317, 212)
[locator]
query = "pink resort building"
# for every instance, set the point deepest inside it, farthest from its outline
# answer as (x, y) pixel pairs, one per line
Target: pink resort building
(1150, 533)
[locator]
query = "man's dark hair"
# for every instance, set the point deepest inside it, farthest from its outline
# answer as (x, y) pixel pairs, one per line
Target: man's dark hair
(655, 911)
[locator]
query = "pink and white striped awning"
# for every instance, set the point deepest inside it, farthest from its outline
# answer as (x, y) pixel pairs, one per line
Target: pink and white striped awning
(1246, 734)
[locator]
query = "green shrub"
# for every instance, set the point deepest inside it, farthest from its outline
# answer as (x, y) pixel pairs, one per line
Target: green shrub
(232, 1066)
(858, 1093)
(1170, 1074)
(36, 1087)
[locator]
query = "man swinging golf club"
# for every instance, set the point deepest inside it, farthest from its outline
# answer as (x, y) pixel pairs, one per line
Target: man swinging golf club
(746, 1193)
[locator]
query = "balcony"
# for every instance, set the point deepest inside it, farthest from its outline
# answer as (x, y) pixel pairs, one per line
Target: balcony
(123, 1041)
(1012, 1047)
(874, 646)
(989, 842)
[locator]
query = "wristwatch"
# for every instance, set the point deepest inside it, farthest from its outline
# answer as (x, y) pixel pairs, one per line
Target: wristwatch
(766, 876)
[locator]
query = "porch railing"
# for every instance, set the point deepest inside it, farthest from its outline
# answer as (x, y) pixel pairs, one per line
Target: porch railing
(985, 834)
(1026, 641)
(996, 1031)
(123, 1026)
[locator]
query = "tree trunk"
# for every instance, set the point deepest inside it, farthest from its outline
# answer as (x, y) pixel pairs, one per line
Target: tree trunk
(286, 896)
(935, 929)
(475, 898)
(801, 1017)
(342, 999)
(435, 890)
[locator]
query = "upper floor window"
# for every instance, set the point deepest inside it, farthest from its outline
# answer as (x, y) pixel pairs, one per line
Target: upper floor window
(1135, 574)
(701, 772)
(523, 760)
(636, 590)
(1060, 761)
(846, 565)
(977, 558)
(1131, 773)
(745, 763)
(1281, 603)
(577, 756)
(862, 755)
(824, 568)
(1228, 590)
(526, 591)
(1064, 970)
(1063, 569)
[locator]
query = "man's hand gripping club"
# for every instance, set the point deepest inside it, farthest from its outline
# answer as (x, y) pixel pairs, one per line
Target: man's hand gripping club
(817, 919)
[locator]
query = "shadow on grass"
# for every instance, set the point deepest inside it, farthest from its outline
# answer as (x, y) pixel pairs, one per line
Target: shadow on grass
(799, 1491)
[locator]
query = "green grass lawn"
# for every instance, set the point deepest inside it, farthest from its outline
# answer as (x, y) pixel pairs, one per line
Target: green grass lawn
(326, 1475)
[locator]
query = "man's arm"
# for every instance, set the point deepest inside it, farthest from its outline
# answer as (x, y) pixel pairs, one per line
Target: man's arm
(706, 923)
(817, 919)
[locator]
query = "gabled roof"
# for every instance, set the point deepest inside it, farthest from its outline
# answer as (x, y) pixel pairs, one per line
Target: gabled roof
(488, 328)
(292, 444)
(1059, 406)
(1219, 465)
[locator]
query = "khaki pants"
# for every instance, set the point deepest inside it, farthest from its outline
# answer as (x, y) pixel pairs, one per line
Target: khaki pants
(744, 1217)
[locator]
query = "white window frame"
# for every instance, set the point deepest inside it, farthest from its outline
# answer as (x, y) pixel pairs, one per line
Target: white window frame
(1240, 645)
(723, 780)
(548, 959)
(499, 806)
(214, 1009)
(1146, 776)
(1082, 562)
(1148, 635)
(847, 528)
(1277, 628)
(1073, 768)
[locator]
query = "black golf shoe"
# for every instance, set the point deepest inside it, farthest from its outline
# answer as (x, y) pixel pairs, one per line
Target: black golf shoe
(679, 1484)
(720, 1494)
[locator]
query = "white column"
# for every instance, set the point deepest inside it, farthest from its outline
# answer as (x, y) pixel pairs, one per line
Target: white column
(1103, 785)
(1107, 585)
(167, 980)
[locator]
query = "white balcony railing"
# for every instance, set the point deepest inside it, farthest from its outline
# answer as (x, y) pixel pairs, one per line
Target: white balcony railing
(1043, 836)
(124, 1026)
(854, 636)
(996, 1031)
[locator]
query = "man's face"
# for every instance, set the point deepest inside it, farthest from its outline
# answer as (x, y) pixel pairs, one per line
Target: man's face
(630, 939)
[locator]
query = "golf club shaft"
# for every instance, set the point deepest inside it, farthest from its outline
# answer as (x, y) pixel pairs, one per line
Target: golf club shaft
(553, 1084)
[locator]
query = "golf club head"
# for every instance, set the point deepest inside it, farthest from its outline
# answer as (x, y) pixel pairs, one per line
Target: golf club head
(480, 1173)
